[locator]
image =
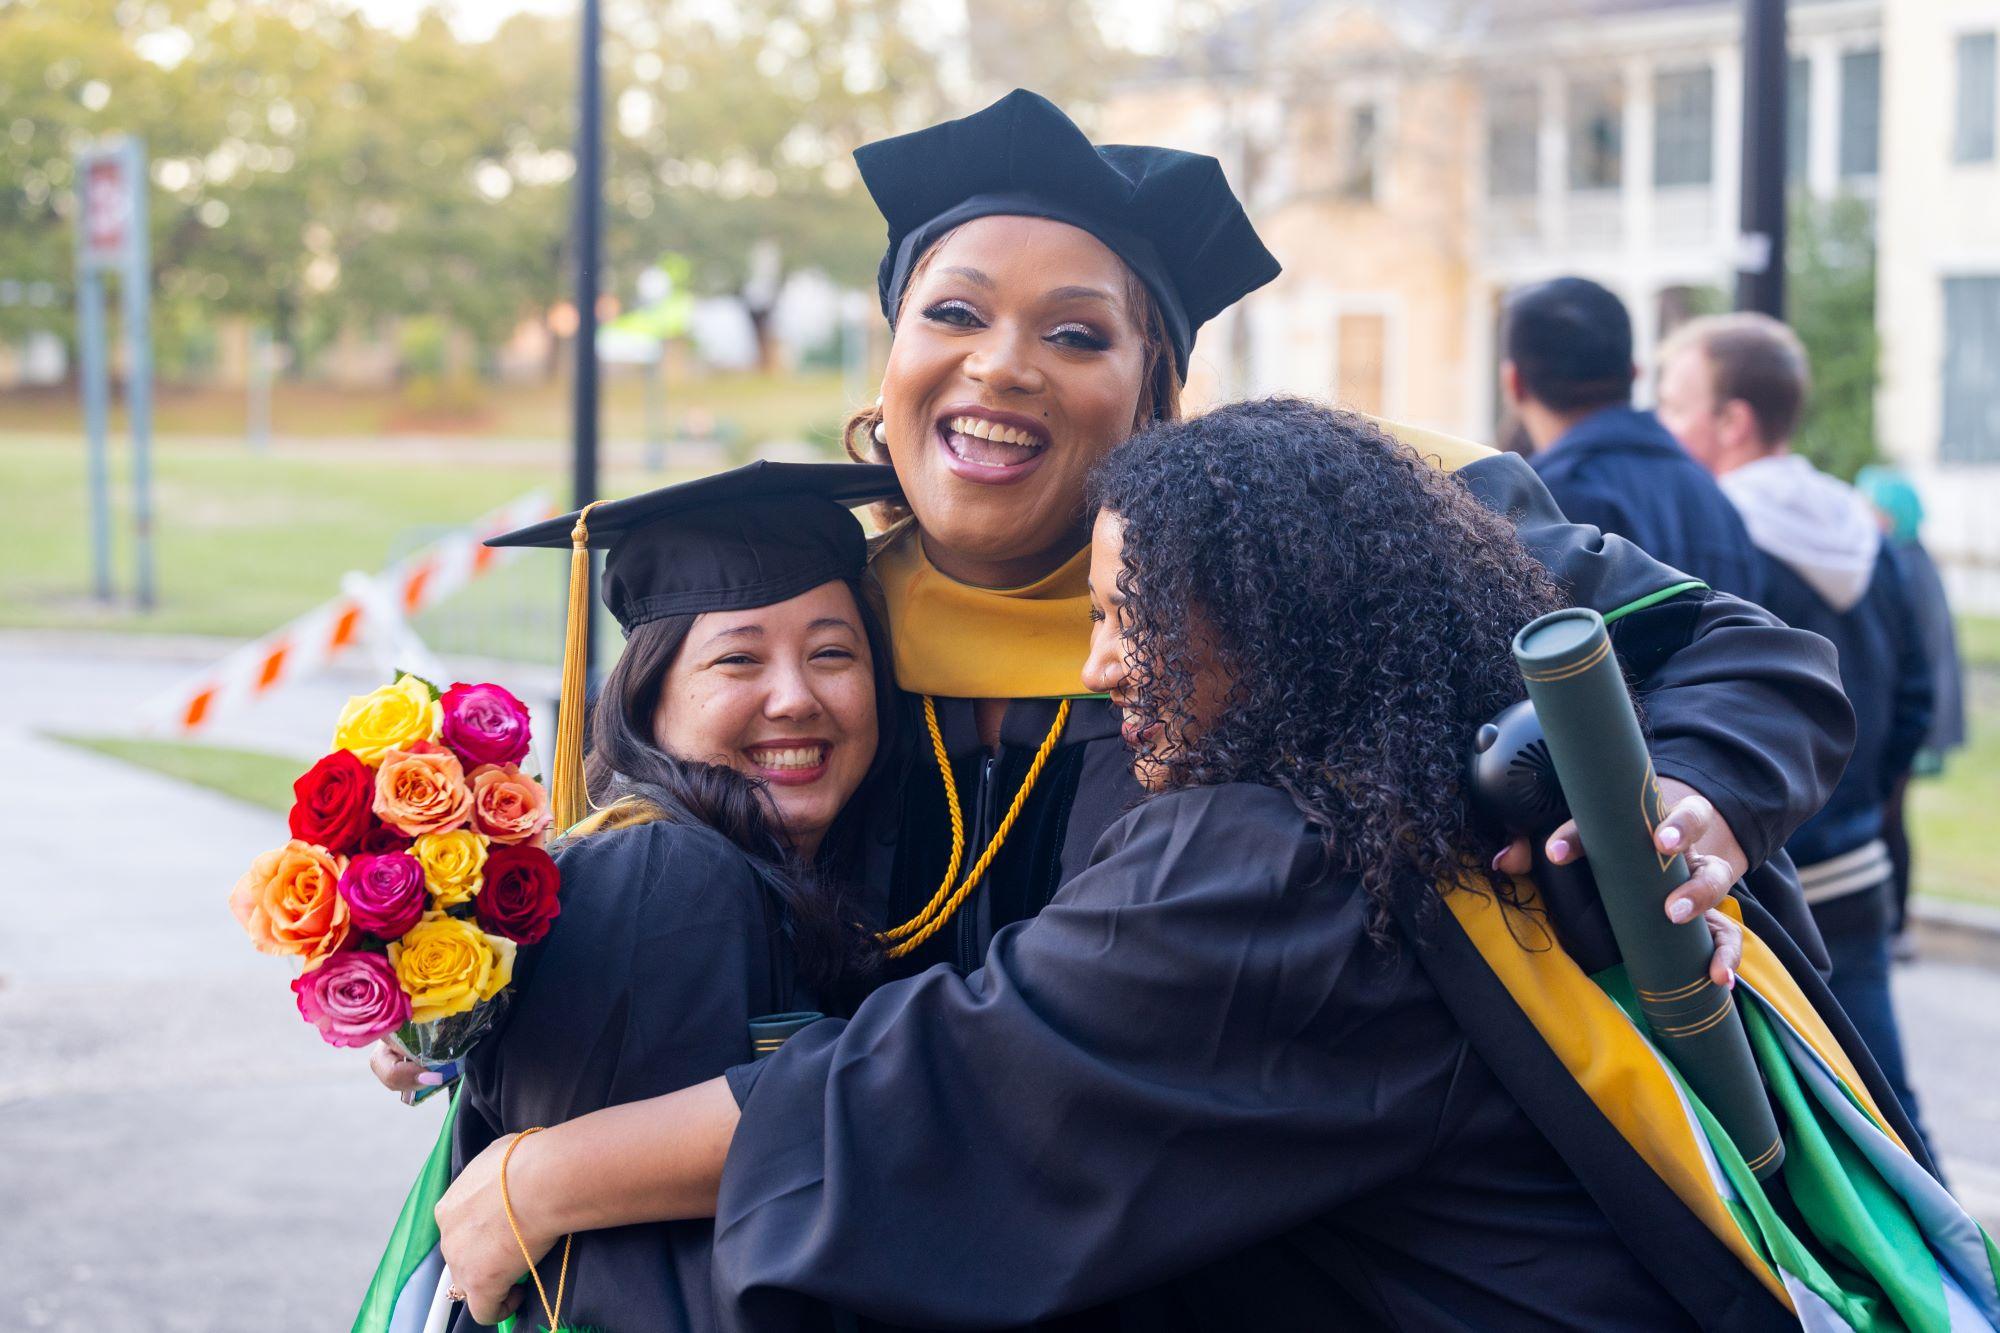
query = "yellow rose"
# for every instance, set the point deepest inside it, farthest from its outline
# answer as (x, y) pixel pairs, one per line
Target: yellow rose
(447, 966)
(454, 864)
(392, 718)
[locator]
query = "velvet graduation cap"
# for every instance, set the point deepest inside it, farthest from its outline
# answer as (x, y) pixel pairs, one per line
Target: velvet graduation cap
(1169, 215)
(749, 537)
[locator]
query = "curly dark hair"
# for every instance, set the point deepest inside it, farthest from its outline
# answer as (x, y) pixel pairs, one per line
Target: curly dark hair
(1359, 602)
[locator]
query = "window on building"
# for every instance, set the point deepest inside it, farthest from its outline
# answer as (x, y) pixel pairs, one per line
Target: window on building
(1361, 152)
(1513, 139)
(1361, 343)
(1972, 127)
(1684, 127)
(1596, 134)
(1860, 112)
(1971, 393)
(1798, 118)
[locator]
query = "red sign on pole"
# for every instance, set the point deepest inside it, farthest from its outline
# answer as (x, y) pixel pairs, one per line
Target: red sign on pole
(107, 197)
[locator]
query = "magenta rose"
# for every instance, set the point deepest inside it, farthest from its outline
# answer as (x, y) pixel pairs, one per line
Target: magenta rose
(483, 724)
(384, 893)
(353, 999)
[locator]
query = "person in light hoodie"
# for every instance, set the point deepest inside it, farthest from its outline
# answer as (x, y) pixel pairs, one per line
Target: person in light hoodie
(1732, 388)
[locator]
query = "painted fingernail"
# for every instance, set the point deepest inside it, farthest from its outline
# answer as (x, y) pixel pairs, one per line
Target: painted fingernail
(1670, 837)
(1680, 909)
(430, 1078)
(1559, 850)
(1498, 857)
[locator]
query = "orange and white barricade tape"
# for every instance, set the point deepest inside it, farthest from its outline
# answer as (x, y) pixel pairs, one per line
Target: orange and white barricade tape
(419, 580)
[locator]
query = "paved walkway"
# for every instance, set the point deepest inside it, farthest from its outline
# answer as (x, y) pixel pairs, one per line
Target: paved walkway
(179, 1152)
(177, 1149)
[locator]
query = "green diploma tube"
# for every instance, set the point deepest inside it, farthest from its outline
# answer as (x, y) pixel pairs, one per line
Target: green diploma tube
(1601, 760)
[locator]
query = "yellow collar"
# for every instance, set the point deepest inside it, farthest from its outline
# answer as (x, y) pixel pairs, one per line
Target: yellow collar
(962, 642)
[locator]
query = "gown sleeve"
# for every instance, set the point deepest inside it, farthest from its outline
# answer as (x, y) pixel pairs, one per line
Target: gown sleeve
(1195, 1046)
(646, 983)
(1738, 705)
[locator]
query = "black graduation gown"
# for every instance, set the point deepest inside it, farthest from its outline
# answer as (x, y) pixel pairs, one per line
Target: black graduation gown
(1192, 1076)
(1739, 706)
(667, 945)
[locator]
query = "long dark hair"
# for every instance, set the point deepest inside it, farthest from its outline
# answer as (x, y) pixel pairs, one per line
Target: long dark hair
(624, 761)
(1361, 604)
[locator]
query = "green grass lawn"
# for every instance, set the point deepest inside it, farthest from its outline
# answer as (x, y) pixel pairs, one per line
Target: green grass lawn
(243, 543)
(1952, 817)
(745, 407)
(247, 775)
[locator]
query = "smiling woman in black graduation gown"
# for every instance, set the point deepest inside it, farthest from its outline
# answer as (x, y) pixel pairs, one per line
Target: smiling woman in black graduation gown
(995, 221)
(686, 914)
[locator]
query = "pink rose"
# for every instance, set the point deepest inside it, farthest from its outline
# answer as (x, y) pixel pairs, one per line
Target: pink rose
(421, 790)
(353, 999)
(385, 893)
(485, 724)
(509, 806)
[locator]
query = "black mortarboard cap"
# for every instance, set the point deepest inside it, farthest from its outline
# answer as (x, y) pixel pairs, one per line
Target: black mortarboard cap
(748, 537)
(1169, 215)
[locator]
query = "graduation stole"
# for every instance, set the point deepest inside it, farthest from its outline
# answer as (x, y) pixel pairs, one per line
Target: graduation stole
(1887, 1246)
(963, 642)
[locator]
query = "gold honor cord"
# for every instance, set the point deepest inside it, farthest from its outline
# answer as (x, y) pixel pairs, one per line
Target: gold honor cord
(911, 935)
(554, 1311)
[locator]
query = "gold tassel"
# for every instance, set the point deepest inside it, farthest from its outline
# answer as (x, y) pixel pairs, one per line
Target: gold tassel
(567, 792)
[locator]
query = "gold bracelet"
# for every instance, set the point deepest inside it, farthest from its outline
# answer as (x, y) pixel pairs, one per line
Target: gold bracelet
(507, 1205)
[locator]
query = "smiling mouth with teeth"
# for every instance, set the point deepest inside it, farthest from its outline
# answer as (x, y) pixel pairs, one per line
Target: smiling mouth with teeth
(977, 440)
(794, 757)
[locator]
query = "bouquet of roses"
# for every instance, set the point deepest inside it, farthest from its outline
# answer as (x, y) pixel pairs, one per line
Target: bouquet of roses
(415, 867)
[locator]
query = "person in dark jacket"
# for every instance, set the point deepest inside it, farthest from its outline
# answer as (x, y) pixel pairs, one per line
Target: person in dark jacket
(1568, 376)
(1901, 514)
(1732, 388)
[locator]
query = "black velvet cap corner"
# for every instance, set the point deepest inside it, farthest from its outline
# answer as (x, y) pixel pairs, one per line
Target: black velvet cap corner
(1169, 215)
(748, 537)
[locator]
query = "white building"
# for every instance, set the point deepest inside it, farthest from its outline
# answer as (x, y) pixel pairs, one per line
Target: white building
(1938, 273)
(1610, 146)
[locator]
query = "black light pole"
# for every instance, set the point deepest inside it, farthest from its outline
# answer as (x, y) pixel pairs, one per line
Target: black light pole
(589, 208)
(1760, 274)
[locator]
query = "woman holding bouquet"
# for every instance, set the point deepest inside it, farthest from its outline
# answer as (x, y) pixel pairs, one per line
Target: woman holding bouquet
(699, 906)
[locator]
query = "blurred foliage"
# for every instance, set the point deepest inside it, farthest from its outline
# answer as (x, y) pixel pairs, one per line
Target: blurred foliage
(318, 175)
(1830, 301)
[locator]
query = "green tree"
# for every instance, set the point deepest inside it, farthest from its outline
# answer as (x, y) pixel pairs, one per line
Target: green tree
(1830, 294)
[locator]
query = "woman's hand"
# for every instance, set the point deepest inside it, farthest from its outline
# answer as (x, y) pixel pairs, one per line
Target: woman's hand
(1692, 827)
(398, 1072)
(1728, 956)
(479, 1247)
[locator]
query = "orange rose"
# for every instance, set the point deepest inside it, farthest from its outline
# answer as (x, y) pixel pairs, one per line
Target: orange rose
(289, 902)
(509, 806)
(422, 790)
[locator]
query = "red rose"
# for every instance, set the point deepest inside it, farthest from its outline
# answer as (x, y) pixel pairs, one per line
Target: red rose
(381, 839)
(518, 900)
(333, 803)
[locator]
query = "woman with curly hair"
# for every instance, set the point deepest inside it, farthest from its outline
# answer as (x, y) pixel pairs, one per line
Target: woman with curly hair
(1245, 1071)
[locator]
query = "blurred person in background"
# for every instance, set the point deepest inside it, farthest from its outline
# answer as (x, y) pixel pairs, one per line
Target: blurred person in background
(1568, 378)
(1732, 388)
(1901, 514)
